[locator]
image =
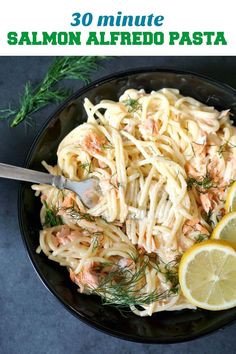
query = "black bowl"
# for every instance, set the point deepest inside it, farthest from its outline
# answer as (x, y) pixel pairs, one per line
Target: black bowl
(164, 327)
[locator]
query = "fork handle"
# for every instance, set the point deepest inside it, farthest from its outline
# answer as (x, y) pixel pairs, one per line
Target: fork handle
(23, 174)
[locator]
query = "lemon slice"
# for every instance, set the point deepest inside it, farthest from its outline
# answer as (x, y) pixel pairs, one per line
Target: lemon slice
(230, 204)
(207, 275)
(226, 228)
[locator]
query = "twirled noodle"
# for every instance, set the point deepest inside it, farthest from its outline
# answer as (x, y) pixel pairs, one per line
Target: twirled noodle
(164, 163)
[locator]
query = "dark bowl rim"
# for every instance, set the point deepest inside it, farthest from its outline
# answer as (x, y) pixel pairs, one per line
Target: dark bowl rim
(30, 254)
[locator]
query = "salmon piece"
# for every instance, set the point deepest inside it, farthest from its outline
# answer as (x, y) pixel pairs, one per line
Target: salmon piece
(63, 236)
(206, 200)
(190, 170)
(149, 127)
(86, 277)
(211, 199)
(68, 202)
(193, 225)
(126, 263)
(195, 172)
(93, 143)
(215, 170)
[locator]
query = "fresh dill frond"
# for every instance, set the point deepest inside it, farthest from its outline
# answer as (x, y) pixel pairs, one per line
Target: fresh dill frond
(86, 166)
(204, 183)
(63, 68)
(224, 148)
(123, 286)
(132, 105)
(51, 217)
(95, 241)
(134, 256)
(201, 237)
(7, 113)
(76, 215)
(171, 275)
(170, 271)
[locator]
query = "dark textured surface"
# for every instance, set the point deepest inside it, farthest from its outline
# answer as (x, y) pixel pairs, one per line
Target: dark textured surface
(31, 320)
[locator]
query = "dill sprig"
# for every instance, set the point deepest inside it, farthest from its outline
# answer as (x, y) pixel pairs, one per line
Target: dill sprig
(95, 240)
(123, 286)
(171, 275)
(170, 271)
(63, 68)
(51, 217)
(204, 183)
(224, 148)
(86, 166)
(132, 105)
(76, 215)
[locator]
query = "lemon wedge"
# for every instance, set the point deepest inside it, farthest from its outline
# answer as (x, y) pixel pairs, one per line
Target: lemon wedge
(207, 275)
(226, 229)
(230, 203)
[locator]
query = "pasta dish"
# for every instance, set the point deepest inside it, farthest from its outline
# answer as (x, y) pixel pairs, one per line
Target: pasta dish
(164, 163)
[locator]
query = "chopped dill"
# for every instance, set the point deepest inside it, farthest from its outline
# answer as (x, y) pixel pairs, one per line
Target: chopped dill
(207, 217)
(171, 275)
(86, 166)
(76, 215)
(107, 146)
(95, 240)
(132, 105)
(116, 186)
(51, 217)
(113, 185)
(201, 237)
(204, 183)
(223, 148)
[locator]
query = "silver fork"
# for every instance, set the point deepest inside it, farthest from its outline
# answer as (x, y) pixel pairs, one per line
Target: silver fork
(88, 189)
